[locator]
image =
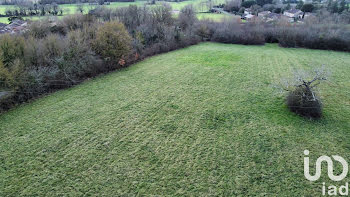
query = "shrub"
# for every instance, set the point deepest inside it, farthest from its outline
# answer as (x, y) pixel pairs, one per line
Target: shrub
(12, 76)
(78, 61)
(53, 47)
(233, 5)
(203, 32)
(39, 29)
(162, 15)
(73, 22)
(11, 47)
(112, 42)
(187, 17)
(234, 33)
(304, 102)
(317, 36)
(302, 97)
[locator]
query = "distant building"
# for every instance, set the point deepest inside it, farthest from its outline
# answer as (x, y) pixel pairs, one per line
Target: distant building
(263, 14)
(248, 11)
(17, 26)
(272, 17)
(3, 25)
(293, 13)
(306, 15)
(275, 17)
(247, 17)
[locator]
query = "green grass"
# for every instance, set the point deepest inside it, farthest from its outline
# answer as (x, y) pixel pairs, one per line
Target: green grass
(72, 8)
(199, 121)
(216, 17)
(3, 8)
(4, 20)
(199, 5)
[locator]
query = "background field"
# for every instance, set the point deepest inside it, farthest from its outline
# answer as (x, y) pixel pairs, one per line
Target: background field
(176, 6)
(203, 120)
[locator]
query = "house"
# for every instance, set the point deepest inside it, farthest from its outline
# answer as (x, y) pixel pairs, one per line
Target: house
(263, 14)
(17, 26)
(247, 17)
(306, 15)
(273, 17)
(2, 25)
(286, 18)
(293, 13)
(248, 11)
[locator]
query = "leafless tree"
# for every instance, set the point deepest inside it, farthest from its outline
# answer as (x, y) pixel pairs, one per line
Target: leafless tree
(302, 95)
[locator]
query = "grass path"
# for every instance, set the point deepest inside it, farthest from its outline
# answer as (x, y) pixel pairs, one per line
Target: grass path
(198, 121)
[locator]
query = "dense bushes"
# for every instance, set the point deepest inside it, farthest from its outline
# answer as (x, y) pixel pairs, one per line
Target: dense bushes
(235, 33)
(32, 64)
(113, 43)
(319, 36)
(11, 48)
(53, 55)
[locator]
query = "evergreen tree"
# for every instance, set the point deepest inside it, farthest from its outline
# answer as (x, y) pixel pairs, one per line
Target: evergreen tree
(342, 6)
(334, 7)
(300, 4)
(288, 6)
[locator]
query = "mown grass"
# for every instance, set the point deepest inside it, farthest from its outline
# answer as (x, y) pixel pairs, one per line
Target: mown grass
(199, 121)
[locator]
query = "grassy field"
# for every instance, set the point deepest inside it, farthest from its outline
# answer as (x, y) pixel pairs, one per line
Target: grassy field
(217, 17)
(176, 6)
(70, 9)
(199, 121)
(200, 16)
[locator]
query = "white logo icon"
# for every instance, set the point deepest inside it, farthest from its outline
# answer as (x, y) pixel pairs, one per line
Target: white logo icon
(329, 164)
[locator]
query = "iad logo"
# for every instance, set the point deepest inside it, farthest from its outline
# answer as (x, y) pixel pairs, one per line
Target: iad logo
(331, 190)
(329, 164)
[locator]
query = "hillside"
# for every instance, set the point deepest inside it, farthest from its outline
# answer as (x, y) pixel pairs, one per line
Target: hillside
(204, 120)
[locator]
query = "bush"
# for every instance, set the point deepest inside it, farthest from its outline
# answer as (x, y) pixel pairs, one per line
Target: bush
(39, 29)
(12, 76)
(317, 36)
(234, 33)
(11, 47)
(187, 17)
(77, 21)
(112, 42)
(203, 32)
(78, 61)
(302, 97)
(304, 102)
(233, 5)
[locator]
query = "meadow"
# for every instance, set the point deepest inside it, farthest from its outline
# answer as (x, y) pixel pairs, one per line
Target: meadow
(176, 6)
(200, 121)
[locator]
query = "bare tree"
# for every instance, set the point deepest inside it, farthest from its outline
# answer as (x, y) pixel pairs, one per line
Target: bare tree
(302, 93)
